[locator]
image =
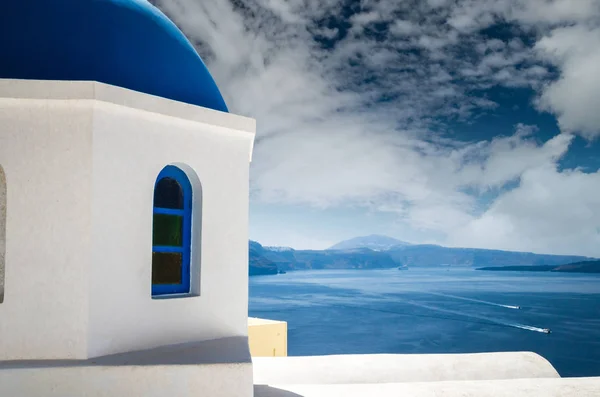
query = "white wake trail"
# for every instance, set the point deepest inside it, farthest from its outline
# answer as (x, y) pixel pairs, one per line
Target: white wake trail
(530, 328)
(490, 320)
(476, 300)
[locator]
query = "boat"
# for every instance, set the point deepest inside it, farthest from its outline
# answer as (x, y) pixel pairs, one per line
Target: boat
(546, 330)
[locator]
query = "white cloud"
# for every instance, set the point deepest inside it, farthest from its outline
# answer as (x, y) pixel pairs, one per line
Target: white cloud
(471, 15)
(404, 28)
(508, 158)
(352, 122)
(364, 18)
(575, 95)
(551, 211)
(554, 11)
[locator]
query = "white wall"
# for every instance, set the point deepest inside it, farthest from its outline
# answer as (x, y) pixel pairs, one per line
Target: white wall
(45, 150)
(214, 380)
(81, 160)
(130, 149)
(2, 229)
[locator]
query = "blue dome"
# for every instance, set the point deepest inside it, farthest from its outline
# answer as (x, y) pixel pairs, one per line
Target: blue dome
(127, 43)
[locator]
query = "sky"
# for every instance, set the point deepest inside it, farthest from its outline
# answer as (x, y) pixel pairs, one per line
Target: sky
(469, 123)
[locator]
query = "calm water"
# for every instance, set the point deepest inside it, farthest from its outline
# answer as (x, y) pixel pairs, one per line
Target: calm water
(437, 310)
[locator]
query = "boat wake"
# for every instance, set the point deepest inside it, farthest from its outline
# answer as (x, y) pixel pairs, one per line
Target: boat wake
(466, 317)
(486, 319)
(475, 300)
(530, 328)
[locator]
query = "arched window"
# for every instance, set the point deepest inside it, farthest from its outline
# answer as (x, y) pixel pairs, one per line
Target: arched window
(171, 232)
(2, 231)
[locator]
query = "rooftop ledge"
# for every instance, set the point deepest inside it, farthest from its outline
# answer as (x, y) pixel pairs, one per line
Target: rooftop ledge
(548, 387)
(399, 368)
(92, 90)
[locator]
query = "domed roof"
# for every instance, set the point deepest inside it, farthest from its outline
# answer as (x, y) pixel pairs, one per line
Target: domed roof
(127, 43)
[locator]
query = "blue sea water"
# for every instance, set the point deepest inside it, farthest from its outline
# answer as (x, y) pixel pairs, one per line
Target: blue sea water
(437, 310)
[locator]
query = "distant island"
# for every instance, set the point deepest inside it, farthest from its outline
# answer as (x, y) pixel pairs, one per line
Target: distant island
(383, 252)
(259, 265)
(577, 267)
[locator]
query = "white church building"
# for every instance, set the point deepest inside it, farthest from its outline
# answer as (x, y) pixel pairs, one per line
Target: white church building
(124, 185)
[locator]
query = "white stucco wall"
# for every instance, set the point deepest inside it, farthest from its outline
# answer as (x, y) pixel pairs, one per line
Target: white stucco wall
(2, 229)
(130, 149)
(81, 159)
(216, 368)
(45, 150)
(216, 380)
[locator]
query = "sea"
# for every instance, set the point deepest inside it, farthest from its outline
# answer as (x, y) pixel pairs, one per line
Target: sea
(437, 310)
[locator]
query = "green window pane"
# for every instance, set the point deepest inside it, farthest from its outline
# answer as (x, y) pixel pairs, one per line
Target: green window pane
(166, 268)
(167, 230)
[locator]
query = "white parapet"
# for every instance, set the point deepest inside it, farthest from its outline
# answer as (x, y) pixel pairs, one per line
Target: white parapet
(219, 368)
(393, 368)
(518, 374)
(540, 387)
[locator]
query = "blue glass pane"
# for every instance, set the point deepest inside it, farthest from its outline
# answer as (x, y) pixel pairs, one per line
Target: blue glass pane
(168, 194)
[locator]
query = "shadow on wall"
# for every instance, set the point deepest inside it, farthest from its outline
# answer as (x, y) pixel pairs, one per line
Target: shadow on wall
(232, 350)
(269, 391)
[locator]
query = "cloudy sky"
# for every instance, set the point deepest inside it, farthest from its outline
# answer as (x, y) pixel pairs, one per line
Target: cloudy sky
(471, 123)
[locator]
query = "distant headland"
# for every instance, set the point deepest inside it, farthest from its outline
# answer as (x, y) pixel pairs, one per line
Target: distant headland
(577, 267)
(382, 252)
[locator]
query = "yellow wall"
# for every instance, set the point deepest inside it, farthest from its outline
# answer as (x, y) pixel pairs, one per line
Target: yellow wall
(267, 338)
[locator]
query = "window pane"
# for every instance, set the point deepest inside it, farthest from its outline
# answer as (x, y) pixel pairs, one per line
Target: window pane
(167, 230)
(166, 268)
(168, 194)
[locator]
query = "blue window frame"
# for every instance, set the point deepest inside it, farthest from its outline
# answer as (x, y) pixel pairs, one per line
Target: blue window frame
(171, 232)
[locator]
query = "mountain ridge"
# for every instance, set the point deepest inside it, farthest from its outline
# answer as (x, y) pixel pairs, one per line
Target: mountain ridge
(376, 242)
(270, 260)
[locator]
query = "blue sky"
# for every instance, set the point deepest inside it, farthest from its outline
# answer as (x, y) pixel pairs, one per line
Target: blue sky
(458, 122)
